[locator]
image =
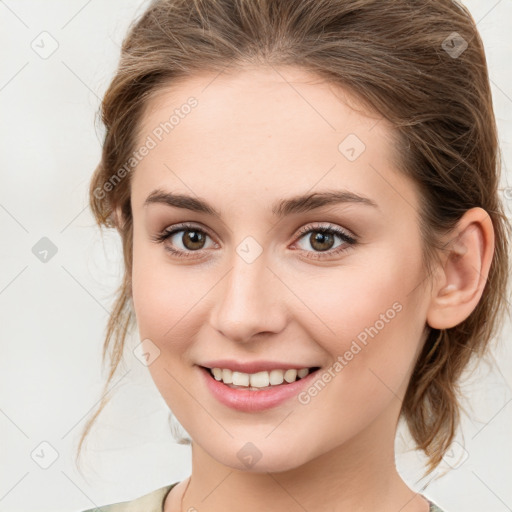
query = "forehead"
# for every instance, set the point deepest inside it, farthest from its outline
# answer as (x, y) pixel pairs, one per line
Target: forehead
(262, 129)
(260, 101)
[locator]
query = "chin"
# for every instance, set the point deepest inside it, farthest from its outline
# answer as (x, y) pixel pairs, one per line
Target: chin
(260, 456)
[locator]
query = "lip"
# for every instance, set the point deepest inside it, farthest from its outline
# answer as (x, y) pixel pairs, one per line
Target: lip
(254, 366)
(254, 401)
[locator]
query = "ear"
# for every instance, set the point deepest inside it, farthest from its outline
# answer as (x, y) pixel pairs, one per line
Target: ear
(470, 248)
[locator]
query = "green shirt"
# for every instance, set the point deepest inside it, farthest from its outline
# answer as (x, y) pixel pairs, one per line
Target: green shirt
(154, 502)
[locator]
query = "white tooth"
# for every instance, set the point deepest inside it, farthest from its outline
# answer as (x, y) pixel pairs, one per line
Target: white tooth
(240, 379)
(217, 373)
(276, 377)
(303, 372)
(290, 375)
(260, 379)
(227, 376)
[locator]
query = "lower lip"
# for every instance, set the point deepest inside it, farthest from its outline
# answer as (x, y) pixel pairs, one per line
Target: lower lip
(254, 401)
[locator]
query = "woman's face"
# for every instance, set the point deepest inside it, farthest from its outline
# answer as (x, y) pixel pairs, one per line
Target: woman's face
(260, 281)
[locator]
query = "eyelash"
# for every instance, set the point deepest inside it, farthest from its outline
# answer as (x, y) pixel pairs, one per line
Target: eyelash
(324, 229)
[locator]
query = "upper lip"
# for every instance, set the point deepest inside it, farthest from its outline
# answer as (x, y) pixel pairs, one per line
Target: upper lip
(254, 366)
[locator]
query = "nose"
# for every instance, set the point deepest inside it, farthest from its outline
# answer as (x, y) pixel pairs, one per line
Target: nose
(250, 300)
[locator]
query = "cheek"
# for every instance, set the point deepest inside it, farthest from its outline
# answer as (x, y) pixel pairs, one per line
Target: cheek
(171, 302)
(372, 292)
(371, 365)
(163, 300)
(160, 297)
(370, 318)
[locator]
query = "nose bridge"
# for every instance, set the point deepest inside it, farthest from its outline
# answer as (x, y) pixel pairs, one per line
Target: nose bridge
(248, 302)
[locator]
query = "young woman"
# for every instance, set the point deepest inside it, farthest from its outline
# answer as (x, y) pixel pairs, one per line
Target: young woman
(314, 245)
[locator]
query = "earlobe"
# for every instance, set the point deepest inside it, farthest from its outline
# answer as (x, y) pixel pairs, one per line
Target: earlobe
(470, 248)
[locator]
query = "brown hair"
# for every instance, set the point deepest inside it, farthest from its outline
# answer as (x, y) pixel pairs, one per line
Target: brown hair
(401, 59)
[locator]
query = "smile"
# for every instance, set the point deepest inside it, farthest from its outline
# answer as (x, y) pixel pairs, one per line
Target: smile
(259, 380)
(249, 397)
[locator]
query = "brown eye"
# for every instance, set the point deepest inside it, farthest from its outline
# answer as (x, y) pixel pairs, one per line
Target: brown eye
(321, 241)
(193, 239)
(183, 240)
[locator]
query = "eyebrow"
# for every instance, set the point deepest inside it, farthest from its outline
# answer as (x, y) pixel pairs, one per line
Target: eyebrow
(295, 204)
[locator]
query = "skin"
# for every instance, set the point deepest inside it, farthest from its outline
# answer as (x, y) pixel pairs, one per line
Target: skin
(258, 136)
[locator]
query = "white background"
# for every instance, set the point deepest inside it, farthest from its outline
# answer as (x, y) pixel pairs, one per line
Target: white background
(53, 315)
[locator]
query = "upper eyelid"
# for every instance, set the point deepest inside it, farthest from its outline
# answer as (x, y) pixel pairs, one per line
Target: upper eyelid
(328, 226)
